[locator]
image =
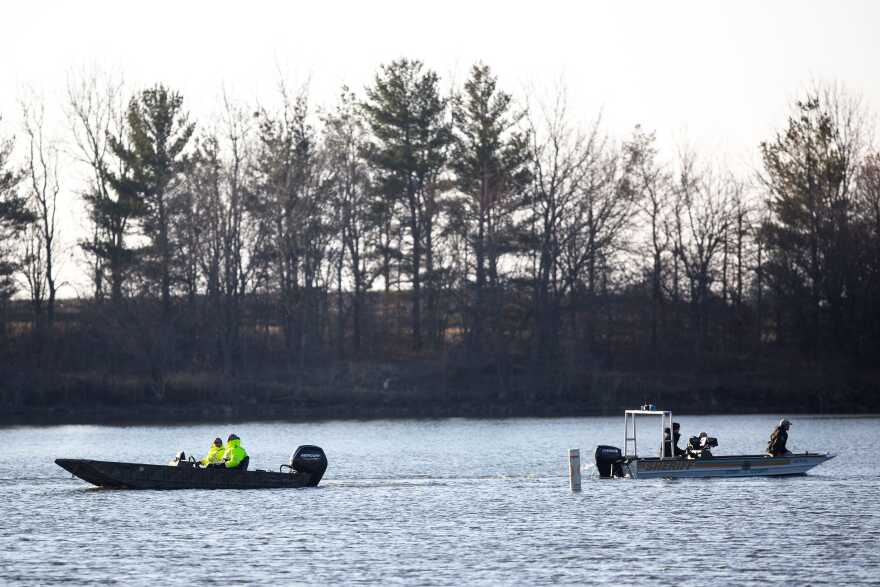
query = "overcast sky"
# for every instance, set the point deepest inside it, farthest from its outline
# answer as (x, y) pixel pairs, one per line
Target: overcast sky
(717, 75)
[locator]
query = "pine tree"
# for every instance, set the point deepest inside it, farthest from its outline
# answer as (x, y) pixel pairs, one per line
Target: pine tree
(408, 118)
(489, 160)
(808, 236)
(14, 218)
(153, 152)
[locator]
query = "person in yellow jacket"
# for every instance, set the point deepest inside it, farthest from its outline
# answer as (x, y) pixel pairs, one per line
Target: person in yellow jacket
(215, 453)
(235, 456)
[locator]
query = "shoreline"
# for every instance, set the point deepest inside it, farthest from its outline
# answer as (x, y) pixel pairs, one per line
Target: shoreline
(416, 391)
(203, 414)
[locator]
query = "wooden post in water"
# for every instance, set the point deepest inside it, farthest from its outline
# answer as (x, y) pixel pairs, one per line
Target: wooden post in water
(574, 468)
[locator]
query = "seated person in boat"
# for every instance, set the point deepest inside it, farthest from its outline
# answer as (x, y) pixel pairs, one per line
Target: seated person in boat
(778, 438)
(235, 456)
(699, 446)
(215, 453)
(670, 447)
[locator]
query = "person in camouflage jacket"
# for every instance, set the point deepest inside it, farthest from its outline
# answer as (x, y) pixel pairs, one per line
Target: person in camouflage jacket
(776, 445)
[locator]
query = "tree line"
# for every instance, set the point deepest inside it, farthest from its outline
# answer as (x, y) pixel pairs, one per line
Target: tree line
(407, 222)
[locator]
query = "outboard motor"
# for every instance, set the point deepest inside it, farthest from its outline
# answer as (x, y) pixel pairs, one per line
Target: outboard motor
(309, 459)
(609, 461)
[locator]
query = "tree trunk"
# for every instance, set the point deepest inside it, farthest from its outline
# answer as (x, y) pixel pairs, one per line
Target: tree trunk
(416, 296)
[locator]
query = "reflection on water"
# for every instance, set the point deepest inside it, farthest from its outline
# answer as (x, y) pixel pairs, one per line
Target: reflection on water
(443, 502)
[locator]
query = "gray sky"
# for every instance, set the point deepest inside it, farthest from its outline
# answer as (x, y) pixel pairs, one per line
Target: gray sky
(717, 75)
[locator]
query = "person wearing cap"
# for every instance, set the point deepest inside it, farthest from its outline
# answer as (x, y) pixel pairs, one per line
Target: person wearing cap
(776, 445)
(235, 456)
(215, 453)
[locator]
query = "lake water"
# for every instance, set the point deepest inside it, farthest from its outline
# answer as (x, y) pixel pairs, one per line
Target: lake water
(443, 502)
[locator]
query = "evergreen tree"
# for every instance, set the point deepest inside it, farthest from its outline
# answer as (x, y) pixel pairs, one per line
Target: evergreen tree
(411, 134)
(808, 236)
(489, 160)
(14, 218)
(158, 132)
(112, 214)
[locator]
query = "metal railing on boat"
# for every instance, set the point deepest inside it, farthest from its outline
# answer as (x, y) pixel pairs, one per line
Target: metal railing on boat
(629, 422)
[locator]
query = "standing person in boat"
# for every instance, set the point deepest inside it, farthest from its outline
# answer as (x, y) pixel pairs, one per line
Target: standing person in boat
(235, 456)
(776, 445)
(670, 446)
(215, 453)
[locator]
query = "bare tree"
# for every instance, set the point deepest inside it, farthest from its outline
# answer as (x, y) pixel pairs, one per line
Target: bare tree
(32, 267)
(351, 195)
(562, 158)
(705, 197)
(41, 168)
(593, 230)
(291, 186)
(238, 227)
(652, 186)
(96, 110)
(218, 229)
(869, 193)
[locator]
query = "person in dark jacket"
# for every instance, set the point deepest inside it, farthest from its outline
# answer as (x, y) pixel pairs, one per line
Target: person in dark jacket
(776, 445)
(670, 448)
(700, 447)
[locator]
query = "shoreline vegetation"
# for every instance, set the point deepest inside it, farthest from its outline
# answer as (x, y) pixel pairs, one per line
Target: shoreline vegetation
(420, 249)
(364, 392)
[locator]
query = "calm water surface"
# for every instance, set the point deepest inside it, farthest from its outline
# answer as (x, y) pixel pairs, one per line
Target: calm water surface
(443, 502)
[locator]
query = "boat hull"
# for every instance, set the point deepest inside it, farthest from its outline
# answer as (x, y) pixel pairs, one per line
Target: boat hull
(144, 476)
(724, 466)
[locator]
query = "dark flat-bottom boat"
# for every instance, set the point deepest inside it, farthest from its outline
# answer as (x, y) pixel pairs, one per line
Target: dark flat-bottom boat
(307, 466)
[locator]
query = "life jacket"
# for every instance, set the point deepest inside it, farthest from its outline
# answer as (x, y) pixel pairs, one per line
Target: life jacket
(235, 453)
(215, 455)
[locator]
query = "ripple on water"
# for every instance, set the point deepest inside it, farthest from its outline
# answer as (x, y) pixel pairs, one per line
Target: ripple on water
(442, 502)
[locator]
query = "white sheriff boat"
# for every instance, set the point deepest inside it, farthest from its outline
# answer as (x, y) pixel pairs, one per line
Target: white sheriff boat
(612, 462)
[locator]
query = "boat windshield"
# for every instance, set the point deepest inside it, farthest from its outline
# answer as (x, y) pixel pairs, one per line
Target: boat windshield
(633, 419)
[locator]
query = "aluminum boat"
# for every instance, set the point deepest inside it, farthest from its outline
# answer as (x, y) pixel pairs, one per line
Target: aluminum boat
(612, 462)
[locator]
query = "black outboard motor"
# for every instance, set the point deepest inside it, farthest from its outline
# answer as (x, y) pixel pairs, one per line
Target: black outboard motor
(309, 459)
(609, 461)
